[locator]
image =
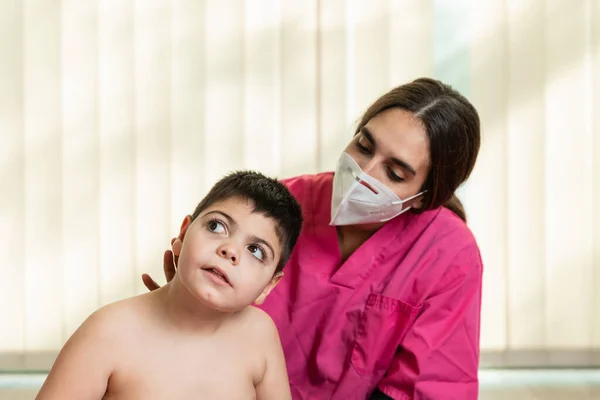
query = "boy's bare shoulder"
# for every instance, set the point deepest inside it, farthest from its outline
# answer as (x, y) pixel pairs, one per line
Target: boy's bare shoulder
(117, 317)
(259, 317)
(270, 381)
(260, 324)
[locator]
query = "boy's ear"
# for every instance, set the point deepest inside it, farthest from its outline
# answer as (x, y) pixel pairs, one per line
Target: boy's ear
(178, 242)
(263, 296)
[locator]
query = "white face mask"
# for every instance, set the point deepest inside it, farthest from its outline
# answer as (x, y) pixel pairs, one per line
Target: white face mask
(361, 199)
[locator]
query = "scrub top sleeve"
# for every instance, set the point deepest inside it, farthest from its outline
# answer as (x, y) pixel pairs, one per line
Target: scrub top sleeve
(439, 356)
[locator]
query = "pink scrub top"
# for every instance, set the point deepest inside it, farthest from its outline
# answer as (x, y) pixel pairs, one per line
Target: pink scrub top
(401, 314)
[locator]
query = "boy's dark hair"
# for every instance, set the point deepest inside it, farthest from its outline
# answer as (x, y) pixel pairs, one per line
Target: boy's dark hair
(269, 197)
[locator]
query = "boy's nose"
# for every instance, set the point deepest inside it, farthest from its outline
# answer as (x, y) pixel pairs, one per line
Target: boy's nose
(228, 251)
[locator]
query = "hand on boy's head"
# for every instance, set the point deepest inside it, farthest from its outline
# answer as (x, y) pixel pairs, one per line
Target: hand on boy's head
(176, 244)
(149, 282)
(169, 262)
(169, 265)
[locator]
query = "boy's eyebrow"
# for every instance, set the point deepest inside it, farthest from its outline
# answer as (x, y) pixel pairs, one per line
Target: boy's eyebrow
(232, 222)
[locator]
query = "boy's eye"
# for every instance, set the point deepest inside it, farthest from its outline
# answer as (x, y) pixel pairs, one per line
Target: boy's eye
(257, 252)
(216, 226)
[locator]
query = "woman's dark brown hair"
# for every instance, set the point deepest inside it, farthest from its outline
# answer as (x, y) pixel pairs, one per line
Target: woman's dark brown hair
(453, 128)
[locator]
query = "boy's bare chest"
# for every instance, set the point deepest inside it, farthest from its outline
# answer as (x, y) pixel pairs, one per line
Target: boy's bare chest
(175, 371)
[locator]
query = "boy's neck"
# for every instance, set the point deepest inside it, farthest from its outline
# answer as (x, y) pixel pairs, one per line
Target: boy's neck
(188, 313)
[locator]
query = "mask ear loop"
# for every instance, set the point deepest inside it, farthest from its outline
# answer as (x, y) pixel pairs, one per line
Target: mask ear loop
(403, 209)
(408, 199)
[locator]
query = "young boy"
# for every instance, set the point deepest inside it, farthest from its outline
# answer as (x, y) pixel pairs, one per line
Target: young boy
(198, 337)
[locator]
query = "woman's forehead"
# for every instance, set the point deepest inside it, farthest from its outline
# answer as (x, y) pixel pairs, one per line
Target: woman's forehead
(399, 133)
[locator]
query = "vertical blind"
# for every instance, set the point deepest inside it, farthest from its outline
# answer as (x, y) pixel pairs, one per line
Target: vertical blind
(116, 116)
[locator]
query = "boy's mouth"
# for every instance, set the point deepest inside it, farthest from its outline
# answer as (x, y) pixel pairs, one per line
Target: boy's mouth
(218, 273)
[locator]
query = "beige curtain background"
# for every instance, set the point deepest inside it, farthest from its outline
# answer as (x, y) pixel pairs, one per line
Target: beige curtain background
(116, 116)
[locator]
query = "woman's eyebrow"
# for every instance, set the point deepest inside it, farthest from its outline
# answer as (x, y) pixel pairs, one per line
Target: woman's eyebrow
(398, 161)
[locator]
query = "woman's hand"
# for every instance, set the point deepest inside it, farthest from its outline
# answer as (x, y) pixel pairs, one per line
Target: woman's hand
(169, 266)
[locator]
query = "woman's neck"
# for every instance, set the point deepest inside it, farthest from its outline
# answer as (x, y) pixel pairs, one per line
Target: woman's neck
(351, 237)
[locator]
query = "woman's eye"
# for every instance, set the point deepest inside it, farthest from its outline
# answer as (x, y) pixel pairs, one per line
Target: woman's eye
(395, 177)
(216, 227)
(257, 252)
(363, 149)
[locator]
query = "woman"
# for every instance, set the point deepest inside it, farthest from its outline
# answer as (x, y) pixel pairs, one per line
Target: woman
(382, 295)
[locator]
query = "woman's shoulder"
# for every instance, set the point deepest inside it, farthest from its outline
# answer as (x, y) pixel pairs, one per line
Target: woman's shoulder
(445, 252)
(307, 182)
(309, 186)
(448, 232)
